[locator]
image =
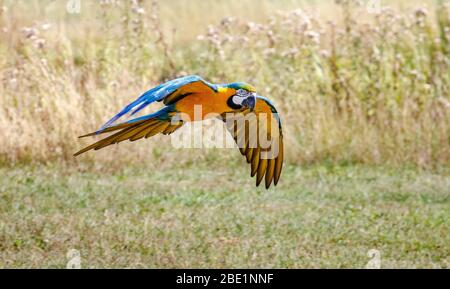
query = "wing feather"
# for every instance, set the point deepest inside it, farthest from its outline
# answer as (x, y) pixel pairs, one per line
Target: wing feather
(157, 129)
(279, 162)
(168, 92)
(132, 132)
(255, 161)
(248, 153)
(261, 171)
(269, 172)
(264, 162)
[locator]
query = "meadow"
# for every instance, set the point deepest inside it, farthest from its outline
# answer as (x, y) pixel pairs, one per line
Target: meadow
(319, 217)
(363, 91)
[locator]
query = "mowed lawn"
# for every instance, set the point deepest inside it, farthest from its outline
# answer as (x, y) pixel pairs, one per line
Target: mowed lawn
(208, 216)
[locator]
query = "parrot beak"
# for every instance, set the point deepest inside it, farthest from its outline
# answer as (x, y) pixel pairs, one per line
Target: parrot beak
(249, 102)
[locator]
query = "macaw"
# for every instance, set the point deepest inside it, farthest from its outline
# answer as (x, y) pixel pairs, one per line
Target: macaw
(181, 95)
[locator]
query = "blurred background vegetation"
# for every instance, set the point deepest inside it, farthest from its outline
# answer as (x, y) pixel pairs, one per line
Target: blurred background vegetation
(355, 82)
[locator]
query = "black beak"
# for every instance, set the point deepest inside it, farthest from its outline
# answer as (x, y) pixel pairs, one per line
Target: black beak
(249, 102)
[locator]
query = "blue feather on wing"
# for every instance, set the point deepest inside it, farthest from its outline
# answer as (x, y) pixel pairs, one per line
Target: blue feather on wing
(157, 93)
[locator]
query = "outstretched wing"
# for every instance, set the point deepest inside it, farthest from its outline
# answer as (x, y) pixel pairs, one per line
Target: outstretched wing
(169, 92)
(145, 126)
(259, 137)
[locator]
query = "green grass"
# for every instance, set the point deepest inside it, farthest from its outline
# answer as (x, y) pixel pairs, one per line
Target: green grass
(319, 216)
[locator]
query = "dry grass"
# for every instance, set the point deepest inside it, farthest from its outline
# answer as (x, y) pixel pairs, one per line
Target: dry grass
(366, 88)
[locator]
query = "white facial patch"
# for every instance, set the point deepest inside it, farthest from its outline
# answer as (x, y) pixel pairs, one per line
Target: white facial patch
(240, 96)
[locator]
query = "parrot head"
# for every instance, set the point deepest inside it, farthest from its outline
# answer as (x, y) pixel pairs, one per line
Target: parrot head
(245, 96)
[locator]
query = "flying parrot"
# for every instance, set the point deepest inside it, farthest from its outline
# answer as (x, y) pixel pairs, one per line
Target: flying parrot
(252, 120)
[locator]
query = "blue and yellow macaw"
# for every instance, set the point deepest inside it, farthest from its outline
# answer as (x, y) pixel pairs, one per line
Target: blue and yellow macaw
(179, 97)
